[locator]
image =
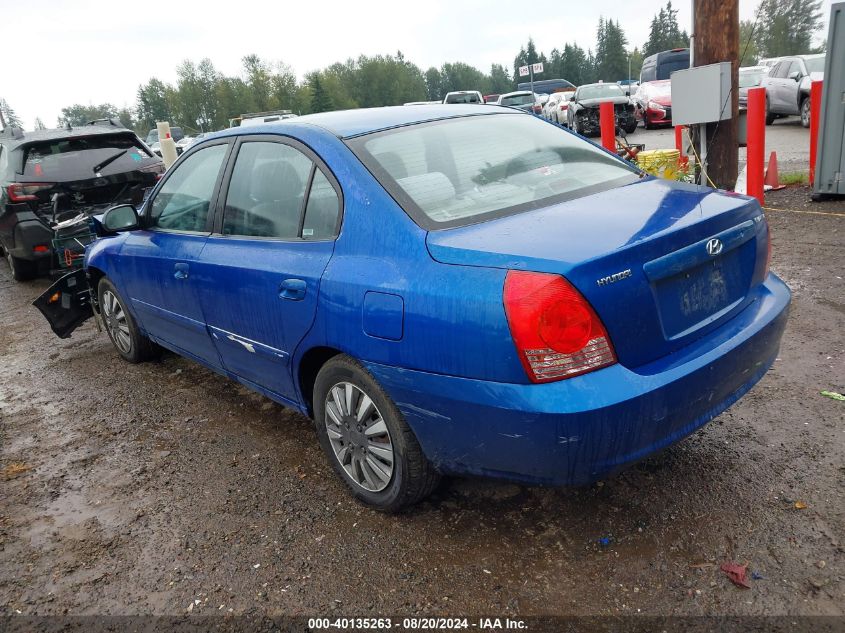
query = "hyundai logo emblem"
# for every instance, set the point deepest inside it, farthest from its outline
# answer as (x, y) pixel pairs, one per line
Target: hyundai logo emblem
(714, 246)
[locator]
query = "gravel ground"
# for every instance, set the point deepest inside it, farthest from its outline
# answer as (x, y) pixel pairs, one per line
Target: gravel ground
(162, 488)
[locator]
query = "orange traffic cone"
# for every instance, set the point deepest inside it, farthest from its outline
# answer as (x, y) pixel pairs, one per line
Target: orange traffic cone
(772, 179)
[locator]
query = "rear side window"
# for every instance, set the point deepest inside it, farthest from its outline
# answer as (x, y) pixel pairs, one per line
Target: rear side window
(184, 199)
(464, 170)
(75, 158)
(322, 211)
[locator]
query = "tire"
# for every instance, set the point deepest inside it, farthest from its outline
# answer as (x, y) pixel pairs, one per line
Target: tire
(805, 112)
(132, 346)
(385, 470)
(631, 128)
(770, 118)
(22, 270)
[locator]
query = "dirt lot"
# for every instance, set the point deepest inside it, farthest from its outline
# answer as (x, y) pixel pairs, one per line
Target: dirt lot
(162, 487)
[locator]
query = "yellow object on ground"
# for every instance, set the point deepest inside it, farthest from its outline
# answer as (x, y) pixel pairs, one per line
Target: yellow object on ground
(660, 162)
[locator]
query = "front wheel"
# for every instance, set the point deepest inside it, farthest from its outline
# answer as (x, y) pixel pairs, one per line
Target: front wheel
(132, 346)
(805, 112)
(366, 439)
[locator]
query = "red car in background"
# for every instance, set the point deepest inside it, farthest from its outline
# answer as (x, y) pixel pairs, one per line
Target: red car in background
(654, 99)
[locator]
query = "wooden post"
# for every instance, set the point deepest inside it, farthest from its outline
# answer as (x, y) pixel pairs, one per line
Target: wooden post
(716, 29)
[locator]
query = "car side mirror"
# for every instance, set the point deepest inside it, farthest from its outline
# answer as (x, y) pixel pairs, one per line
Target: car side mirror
(794, 75)
(123, 217)
(572, 98)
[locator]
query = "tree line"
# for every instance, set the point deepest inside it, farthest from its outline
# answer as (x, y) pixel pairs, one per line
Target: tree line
(204, 99)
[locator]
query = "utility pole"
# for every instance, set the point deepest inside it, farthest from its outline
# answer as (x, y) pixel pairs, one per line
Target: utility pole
(715, 27)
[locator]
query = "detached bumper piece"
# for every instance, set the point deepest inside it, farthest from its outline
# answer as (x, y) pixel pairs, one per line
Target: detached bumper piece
(67, 303)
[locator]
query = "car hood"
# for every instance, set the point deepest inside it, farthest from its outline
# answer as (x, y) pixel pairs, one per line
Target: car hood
(663, 100)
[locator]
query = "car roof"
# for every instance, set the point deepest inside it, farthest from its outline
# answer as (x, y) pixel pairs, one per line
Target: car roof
(34, 136)
(350, 123)
(515, 93)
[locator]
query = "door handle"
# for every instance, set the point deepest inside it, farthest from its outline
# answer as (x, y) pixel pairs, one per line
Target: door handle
(293, 289)
(180, 271)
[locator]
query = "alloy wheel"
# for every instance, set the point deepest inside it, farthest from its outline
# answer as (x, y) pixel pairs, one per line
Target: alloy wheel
(359, 437)
(115, 321)
(805, 113)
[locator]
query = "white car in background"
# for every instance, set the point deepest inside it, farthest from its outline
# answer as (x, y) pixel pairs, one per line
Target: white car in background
(464, 96)
(556, 107)
(523, 100)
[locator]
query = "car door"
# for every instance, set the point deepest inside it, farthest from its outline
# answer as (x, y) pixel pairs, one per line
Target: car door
(261, 269)
(158, 262)
(791, 82)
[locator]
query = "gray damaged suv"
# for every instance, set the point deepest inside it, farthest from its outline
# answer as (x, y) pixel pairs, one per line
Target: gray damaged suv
(788, 86)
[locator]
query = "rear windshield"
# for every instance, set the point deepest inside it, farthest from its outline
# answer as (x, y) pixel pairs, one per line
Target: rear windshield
(814, 64)
(750, 78)
(464, 170)
(469, 97)
(518, 100)
(75, 158)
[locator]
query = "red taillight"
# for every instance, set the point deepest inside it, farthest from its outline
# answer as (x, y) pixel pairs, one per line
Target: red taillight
(557, 333)
(564, 106)
(40, 248)
(23, 191)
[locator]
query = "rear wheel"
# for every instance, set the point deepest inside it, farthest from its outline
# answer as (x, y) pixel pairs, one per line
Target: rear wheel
(132, 346)
(805, 112)
(368, 443)
(22, 270)
(770, 118)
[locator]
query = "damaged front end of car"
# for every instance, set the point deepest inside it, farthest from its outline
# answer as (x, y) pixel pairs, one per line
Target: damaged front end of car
(72, 300)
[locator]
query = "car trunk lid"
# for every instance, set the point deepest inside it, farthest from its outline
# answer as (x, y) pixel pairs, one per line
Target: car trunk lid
(639, 254)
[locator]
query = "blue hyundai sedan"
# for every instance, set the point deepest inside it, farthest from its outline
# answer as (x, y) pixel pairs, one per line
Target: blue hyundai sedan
(444, 290)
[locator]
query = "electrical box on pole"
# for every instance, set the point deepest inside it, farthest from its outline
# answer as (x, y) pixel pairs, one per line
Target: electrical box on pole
(830, 158)
(701, 94)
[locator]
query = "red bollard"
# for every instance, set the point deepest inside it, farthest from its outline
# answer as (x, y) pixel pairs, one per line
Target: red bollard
(608, 126)
(756, 143)
(683, 161)
(815, 115)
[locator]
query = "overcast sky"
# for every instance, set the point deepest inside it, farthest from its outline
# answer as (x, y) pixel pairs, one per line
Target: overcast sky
(59, 53)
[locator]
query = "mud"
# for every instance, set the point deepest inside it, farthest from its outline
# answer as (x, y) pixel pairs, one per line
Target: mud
(151, 488)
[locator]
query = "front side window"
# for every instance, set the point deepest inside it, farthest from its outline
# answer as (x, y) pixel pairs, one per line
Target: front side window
(267, 191)
(463, 170)
(183, 202)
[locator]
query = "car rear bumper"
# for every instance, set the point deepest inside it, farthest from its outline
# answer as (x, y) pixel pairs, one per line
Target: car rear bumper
(27, 235)
(582, 429)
